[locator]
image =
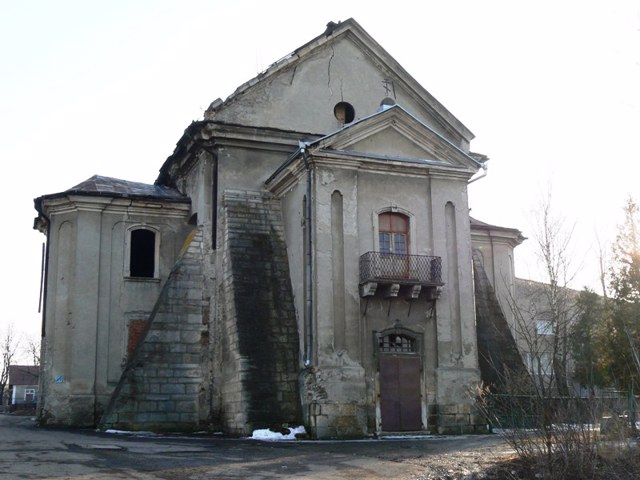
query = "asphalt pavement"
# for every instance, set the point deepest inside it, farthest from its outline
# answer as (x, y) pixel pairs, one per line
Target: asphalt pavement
(30, 452)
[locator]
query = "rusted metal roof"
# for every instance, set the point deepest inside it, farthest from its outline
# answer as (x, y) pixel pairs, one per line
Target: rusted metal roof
(100, 186)
(108, 186)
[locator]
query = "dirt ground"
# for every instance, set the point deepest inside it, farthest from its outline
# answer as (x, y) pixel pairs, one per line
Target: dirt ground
(485, 462)
(27, 451)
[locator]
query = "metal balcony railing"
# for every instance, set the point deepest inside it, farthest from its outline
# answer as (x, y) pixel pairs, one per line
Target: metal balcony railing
(405, 269)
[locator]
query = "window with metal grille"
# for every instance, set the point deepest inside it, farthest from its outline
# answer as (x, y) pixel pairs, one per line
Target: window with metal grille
(397, 343)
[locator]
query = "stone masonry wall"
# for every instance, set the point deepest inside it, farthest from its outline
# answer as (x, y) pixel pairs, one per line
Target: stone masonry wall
(163, 386)
(260, 340)
(498, 354)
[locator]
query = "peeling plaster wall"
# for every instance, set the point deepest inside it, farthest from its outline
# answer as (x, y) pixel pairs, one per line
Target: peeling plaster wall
(292, 204)
(448, 370)
(339, 71)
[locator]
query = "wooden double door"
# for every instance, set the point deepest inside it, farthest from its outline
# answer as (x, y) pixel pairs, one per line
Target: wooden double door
(400, 392)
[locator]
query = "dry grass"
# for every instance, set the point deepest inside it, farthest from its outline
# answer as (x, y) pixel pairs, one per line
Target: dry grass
(614, 462)
(561, 438)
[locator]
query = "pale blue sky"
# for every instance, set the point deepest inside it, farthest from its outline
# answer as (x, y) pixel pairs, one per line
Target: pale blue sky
(550, 88)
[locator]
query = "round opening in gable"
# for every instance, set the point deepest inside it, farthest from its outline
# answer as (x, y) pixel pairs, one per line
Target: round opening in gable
(344, 112)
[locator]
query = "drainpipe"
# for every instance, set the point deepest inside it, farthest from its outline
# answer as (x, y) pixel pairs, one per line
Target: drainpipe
(44, 275)
(309, 262)
(43, 309)
(482, 174)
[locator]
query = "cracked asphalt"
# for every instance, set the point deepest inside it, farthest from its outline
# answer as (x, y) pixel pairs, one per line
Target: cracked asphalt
(30, 452)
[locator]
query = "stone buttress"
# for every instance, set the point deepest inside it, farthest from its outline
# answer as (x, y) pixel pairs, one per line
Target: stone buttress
(163, 387)
(259, 341)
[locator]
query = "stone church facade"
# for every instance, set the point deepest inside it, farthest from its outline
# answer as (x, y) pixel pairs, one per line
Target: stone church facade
(304, 257)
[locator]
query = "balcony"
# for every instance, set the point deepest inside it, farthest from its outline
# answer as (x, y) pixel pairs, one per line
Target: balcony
(395, 271)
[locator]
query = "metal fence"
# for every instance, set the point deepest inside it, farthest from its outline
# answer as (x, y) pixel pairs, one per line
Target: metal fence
(406, 269)
(526, 411)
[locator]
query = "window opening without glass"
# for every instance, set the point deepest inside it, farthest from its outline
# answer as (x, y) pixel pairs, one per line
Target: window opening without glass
(142, 254)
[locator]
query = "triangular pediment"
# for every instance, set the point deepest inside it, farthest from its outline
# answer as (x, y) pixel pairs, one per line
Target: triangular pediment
(344, 64)
(395, 134)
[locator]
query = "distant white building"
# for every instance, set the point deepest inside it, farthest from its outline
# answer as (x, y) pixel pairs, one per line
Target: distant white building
(23, 386)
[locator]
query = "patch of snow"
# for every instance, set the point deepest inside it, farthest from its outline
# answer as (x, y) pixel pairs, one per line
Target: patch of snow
(266, 434)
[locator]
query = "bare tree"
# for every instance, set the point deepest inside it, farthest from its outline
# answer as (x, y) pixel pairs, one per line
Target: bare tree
(8, 349)
(32, 349)
(603, 265)
(547, 427)
(545, 312)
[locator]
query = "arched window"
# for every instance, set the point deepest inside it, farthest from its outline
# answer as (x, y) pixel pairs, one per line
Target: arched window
(393, 233)
(397, 343)
(142, 253)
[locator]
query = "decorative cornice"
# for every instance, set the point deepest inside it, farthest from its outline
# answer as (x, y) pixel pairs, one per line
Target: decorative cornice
(286, 177)
(114, 206)
(405, 124)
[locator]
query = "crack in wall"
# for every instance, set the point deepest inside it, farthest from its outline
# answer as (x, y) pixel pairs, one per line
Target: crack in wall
(333, 53)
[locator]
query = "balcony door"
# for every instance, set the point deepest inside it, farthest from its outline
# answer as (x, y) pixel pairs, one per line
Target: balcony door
(393, 240)
(393, 233)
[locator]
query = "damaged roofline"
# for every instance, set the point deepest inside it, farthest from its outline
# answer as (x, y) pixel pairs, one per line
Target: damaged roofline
(191, 136)
(376, 50)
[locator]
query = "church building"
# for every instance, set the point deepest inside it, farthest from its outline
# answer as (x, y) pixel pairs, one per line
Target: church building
(303, 258)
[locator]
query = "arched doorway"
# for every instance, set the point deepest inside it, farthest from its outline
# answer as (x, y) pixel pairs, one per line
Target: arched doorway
(400, 368)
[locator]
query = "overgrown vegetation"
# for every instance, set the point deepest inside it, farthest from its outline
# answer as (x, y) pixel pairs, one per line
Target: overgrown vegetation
(558, 430)
(563, 437)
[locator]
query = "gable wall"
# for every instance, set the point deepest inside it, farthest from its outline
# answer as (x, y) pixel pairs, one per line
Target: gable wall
(302, 96)
(391, 145)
